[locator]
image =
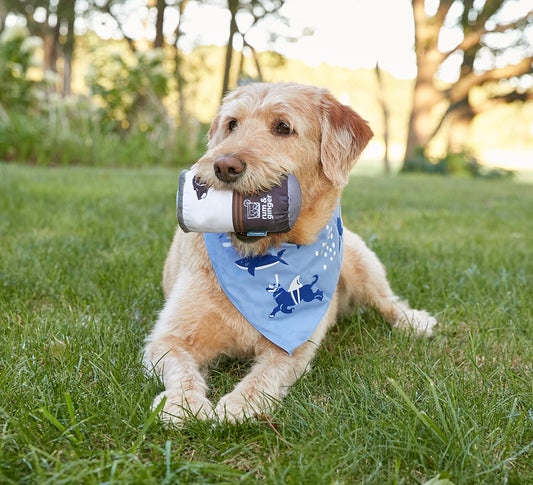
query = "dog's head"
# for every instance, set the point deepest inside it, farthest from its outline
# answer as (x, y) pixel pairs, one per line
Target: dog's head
(263, 132)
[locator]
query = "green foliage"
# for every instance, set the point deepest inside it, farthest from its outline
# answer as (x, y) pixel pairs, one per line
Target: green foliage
(82, 252)
(70, 131)
(128, 127)
(129, 89)
(17, 56)
(459, 164)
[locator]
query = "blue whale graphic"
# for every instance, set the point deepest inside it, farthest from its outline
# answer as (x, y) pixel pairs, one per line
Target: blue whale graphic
(260, 262)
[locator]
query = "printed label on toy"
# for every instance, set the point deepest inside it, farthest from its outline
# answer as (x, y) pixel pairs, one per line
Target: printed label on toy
(253, 209)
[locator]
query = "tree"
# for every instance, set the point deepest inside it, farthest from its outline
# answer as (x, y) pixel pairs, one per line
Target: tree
(55, 26)
(385, 111)
(159, 38)
(66, 15)
(258, 10)
(17, 56)
(111, 9)
(119, 14)
(45, 29)
(233, 7)
(178, 65)
(481, 54)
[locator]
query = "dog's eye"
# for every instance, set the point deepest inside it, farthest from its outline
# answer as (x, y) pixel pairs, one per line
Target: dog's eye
(282, 128)
(232, 125)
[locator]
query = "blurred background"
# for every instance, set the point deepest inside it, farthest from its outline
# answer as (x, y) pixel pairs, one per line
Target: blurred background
(447, 86)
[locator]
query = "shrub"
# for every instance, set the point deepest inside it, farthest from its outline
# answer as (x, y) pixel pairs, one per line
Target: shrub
(128, 127)
(17, 56)
(459, 164)
(129, 89)
(70, 131)
(419, 163)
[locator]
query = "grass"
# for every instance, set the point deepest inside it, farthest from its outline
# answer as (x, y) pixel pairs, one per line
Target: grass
(81, 255)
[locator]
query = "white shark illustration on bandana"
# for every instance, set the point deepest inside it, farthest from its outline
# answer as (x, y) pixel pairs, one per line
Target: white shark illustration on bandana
(285, 293)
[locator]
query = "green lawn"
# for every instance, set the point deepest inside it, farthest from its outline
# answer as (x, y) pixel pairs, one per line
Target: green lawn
(81, 253)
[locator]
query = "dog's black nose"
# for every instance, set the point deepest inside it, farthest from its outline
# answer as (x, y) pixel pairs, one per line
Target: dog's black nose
(228, 168)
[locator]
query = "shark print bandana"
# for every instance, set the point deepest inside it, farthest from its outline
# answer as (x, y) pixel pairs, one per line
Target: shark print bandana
(285, 293)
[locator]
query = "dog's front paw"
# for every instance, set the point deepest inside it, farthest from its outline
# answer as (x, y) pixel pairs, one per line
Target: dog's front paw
(419, 320)
(235, 408)
(182, 405)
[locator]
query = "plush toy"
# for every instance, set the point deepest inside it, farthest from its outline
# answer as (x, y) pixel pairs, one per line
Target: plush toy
(203, 209)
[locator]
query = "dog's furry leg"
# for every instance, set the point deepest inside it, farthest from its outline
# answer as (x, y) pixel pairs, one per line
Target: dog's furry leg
(268, 382)
(185, 388)
(271, 376)
(167, 354)
(363, 282)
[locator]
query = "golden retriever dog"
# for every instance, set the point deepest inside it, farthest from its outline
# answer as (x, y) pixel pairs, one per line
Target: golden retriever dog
(261, 133)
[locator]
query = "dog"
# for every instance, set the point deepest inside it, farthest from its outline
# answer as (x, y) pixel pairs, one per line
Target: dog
(261, 133)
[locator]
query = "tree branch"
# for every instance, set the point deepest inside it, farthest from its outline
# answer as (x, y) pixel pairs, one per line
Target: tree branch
(485, 106)
(488, 10)
(460, 89)
(474, 37)
(503, 99)
(442, 11)
(106, 9)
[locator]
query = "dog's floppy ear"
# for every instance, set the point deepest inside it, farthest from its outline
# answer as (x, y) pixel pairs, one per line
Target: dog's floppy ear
(344, 136)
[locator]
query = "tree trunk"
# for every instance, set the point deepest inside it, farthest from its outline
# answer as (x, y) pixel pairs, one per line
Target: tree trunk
(241, 66)
(180, 81)
(50, 42)
(159, 38)
(459, 131)
(67, 10)
(3, 15)
(256, 61)
(425, 95)
(51, 47)
(384, 109)
(233, 6)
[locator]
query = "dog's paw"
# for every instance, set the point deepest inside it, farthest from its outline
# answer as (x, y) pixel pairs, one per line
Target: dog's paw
(420, 321)
(180, 406)
(235, 408)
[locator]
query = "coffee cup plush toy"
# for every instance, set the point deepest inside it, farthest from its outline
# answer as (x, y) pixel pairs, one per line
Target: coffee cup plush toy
(201, 208)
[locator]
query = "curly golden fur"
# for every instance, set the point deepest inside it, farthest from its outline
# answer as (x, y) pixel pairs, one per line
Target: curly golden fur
(319, 141)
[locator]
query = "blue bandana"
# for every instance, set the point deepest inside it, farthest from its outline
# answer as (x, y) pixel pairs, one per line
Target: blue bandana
(285, 293)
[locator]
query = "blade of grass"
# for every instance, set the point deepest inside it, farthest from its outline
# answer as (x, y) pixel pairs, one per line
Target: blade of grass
(421, 415)
(61, 427)
(147, 424)
(74, 425)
